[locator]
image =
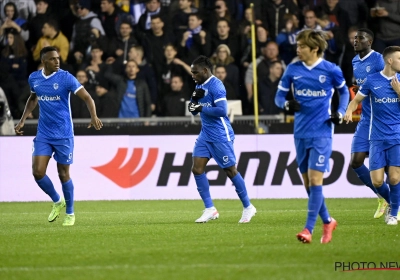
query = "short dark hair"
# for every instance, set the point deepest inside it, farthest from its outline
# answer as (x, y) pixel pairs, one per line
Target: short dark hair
(46, 50)
(368, 31)
(390, 50)
(195, 15)
(156, 17)
(203, 61)
(53, 23)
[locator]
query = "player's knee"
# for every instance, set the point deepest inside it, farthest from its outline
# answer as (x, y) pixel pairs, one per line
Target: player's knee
(377, 183)
(38, 174)
(231, 172)
(394, 180)
(355, 163)
(64, 176)
(197, 170)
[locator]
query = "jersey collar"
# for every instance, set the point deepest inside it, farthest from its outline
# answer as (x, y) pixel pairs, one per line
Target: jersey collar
(46, 77)
(208, 80)
(365, 57)
(386, 77)
(312, 66)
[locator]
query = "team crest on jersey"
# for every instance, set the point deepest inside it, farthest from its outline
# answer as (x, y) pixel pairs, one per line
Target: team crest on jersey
(322, 79)
(321, 159)
(225, 158)
(368, 68)
(55, 86)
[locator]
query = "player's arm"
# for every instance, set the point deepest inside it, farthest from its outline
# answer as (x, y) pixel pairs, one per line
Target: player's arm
(283, 89)
(29, 106)
(395, 85)
(348, 117)
(340, 84)
(85, 96)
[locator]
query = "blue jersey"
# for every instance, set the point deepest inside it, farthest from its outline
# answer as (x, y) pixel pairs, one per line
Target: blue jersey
(369, 64)
(313, 88)
(214, 129)
(385, 106)
(53, 93)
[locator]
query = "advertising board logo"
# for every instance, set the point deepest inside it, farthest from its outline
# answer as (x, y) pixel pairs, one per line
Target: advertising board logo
(130, 174)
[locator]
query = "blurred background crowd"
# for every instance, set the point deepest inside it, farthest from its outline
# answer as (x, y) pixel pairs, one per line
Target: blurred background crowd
(134, 56)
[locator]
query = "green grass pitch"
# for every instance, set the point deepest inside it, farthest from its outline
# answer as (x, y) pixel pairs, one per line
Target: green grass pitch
(159, 240)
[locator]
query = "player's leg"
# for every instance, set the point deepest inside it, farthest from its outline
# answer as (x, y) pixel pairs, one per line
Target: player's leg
(377, 163)
(201, 156)
(63, 154)
(249, 211)
(393, 155)
(41, 154)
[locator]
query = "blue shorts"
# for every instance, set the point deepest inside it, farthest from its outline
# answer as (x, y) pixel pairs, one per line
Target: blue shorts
(63, 149)
(222, 152)
(313, 153)
(359, 145)
(384, 153)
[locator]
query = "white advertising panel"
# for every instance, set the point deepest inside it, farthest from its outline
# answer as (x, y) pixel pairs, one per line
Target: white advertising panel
(159, 167)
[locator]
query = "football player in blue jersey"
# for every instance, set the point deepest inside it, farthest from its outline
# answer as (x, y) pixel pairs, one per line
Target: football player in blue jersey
(366, 62)
(51, 88)
(313, 80)
(215, 139)
(384, 151)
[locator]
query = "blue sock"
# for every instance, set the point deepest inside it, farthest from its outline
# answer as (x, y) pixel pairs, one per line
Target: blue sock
(394, 199)
(47, 186)
(323, 212)
(68, 190)
(314, 205)
(365, 177)
(384, 192)
(203, 187)
(240, 188)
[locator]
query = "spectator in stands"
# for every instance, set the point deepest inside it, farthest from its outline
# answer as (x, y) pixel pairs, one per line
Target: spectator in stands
(270, 53)
(273, 15)
(119, 48)
(36, 23)
(78, 106)
(96, 67)
(112, 17)
(220, 12)
(287, 38)
(220, 73)
(146, 73)
(245, 24)
(181, 17)
(172, 66)
(332, 53)
(52, 36)
(12, 21)
(223, 36)
(133, 96)
(358, 10)
(267, 88)
(195, 41)
(387, 16)
(347, 65)
(223, 57)
(107, 106)
(155, 41)
(12, 90)
(174, 104)
(262, 38)
(153, 7)
(14, 55)
(311, 21)
(86, 30)
(26, 8)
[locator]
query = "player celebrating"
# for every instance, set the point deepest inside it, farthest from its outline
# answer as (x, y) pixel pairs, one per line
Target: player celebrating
(313, 80)
(215, 139)
(51, 88)
(365, 62)
(383, 89)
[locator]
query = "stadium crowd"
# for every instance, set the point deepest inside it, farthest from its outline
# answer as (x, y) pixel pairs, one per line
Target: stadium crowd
(134, 57)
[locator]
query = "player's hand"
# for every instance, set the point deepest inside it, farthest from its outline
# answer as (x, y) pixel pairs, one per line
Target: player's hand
(337, 118)
(348, 117)
(395, 85)
(194, 107)
(355, 88)
(198, 93)
(18, 127)
(292, 105)
(96, 123)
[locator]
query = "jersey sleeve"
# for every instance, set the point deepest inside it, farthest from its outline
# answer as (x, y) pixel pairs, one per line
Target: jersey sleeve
(337, 78)
(30, 82)
(283, 88)
(365, 88)
(380, 63)
(218, 92)
(72, 83)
